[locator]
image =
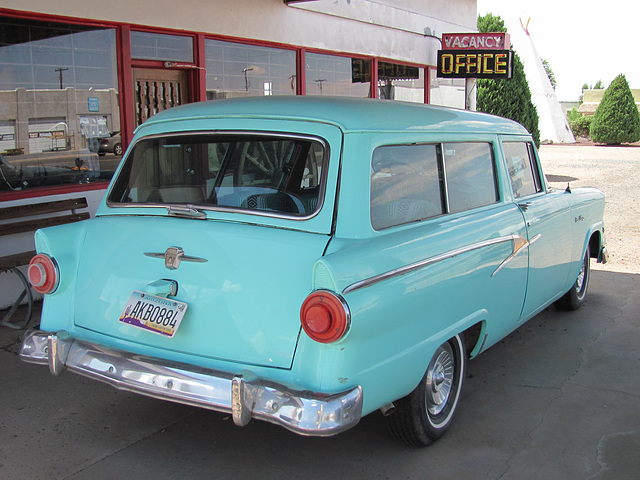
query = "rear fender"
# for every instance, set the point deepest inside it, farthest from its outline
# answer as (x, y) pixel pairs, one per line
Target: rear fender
(63, 243)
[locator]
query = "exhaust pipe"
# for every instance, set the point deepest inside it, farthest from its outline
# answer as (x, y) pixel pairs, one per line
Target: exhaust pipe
(388, 409)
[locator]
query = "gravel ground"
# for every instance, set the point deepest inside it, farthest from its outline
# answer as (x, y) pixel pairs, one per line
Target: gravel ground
(615, 171)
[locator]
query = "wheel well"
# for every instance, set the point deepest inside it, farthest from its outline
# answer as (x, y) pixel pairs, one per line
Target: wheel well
(594, 244)
(472, 337)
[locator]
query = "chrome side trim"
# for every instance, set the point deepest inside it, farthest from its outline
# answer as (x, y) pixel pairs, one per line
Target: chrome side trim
(519, 244)
(244, 395)
(429, 261)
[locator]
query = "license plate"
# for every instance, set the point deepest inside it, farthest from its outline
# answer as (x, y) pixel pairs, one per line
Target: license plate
(154, 314)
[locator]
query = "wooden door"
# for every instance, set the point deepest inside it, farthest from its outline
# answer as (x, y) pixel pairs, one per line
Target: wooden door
(156, 90)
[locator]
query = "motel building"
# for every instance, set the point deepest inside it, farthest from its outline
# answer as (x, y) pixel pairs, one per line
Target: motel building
(77, 77)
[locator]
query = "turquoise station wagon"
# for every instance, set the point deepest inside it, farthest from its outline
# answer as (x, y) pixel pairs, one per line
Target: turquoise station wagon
(307, 261)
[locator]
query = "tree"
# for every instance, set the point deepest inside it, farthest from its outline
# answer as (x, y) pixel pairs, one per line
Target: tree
(616, 120)
(550, 74)
(509, 98)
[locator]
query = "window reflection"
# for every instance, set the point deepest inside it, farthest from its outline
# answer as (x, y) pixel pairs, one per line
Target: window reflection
(158, 46)
(446, 91)
(522, 169)
(58, 84)
(236, 70)
(405, 185)
(400, 82)
(335, 75)
(470, 175)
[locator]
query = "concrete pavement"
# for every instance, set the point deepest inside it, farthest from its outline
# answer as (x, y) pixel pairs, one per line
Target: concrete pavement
(557, 399)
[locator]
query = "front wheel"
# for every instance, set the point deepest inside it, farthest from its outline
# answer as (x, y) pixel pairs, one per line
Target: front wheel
(425, 414)
(574, 298)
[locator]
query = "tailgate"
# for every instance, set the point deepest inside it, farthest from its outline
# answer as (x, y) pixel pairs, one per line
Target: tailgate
(243, 302)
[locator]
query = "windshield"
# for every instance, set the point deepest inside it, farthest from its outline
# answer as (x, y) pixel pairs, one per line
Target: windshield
(264, 173)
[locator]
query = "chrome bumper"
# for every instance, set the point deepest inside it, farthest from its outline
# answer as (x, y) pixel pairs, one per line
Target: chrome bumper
(243, 395)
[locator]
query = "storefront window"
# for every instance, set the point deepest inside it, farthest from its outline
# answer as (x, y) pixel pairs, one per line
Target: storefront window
(157, 46)
(58, 84)
(449, 92)
(237, 70)
(400, 82)
(335, 75)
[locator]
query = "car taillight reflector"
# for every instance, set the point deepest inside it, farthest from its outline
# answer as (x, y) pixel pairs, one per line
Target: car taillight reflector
(43, 273)
(325, 316)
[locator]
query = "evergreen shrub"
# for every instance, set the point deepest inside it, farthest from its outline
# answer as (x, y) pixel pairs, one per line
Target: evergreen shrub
(616, 120)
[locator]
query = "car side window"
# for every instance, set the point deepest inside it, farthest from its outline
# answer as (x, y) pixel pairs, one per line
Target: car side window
(415, 182)
(471, 180)
(523, 169)
(405, 185)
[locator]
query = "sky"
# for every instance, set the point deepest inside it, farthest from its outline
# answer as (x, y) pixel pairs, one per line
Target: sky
(583, 41)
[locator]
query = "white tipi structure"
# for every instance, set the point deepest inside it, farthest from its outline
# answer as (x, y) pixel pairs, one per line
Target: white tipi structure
(553, 126)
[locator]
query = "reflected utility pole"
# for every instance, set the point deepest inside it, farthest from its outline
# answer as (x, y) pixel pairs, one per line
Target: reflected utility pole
(319, 82)
(60, 70)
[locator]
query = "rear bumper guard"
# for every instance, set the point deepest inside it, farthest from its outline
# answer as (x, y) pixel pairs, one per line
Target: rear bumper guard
(244, 395)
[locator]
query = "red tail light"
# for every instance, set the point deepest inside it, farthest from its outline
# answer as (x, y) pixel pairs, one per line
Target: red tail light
(325, 316)
(43, 273)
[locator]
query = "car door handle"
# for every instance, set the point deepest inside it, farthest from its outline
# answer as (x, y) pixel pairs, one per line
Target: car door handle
(524, 206)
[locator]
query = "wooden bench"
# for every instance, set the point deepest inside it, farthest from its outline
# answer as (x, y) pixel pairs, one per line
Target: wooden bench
(24, 221)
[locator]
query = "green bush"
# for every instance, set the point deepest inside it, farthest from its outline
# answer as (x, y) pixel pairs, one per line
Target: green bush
(580, 126)
(573, 115)
(616, 120)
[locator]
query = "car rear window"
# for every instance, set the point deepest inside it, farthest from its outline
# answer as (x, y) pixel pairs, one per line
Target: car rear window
(263, 173)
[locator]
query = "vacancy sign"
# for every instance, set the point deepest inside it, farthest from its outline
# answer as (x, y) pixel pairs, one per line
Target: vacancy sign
(475, 55)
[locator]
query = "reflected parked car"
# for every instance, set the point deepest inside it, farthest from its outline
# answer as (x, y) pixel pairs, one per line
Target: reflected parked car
(111, 144)
(307, 260)
(46, 169)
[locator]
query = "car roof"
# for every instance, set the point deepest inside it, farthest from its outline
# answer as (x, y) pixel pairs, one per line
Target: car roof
(350, 114)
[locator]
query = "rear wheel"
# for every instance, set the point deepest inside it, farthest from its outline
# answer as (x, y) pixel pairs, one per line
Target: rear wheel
(425, 414)
(574, 298)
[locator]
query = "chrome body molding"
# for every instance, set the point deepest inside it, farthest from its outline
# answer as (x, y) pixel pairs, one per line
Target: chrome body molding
(518, 243)
(244, 395)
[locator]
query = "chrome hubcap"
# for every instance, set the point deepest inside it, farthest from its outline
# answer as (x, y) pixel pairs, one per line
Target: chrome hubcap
(440, 377)
(580, 279)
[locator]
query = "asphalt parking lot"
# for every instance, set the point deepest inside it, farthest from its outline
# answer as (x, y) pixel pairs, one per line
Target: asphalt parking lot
(557, 399)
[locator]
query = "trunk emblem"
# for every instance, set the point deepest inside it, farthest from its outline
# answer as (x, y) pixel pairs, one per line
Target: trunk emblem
(173, 256)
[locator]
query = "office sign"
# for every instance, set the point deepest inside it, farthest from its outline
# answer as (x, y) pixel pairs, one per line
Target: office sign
(475, 63)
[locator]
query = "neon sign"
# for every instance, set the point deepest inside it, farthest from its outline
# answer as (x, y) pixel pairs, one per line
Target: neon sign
(475, 63)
